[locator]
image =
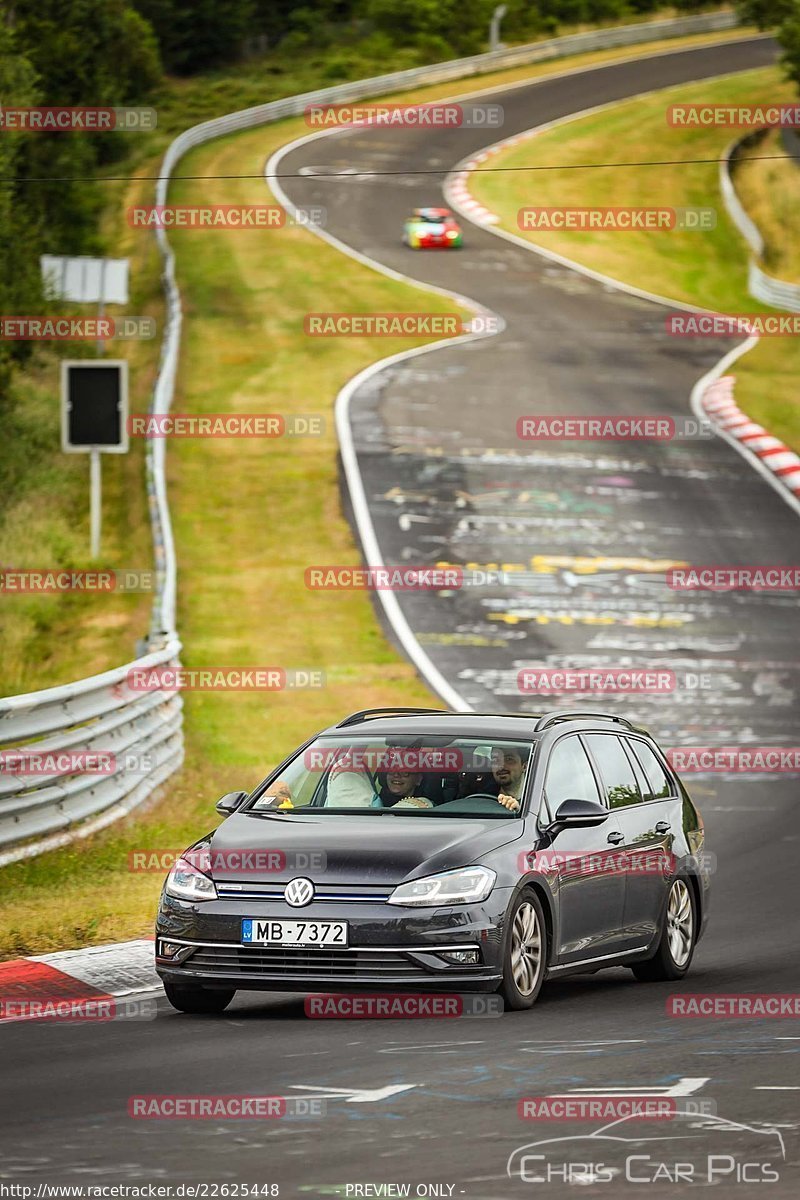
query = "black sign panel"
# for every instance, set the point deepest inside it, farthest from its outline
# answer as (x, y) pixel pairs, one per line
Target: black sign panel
(95, 406)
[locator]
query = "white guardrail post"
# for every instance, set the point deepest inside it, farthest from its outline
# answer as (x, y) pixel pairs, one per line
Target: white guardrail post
(142, 731)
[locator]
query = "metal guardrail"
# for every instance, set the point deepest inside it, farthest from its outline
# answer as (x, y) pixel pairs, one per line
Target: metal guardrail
(761, 286)
(100, 713)
(136, 734)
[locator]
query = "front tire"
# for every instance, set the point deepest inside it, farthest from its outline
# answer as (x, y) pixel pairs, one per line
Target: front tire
(525, 954)
(189, 998)
(675, 950)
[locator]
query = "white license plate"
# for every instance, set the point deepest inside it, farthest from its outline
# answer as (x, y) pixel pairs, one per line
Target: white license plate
(269, 932)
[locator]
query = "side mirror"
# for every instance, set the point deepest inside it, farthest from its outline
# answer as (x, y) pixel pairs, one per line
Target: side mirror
(580, 814)
(231, 802)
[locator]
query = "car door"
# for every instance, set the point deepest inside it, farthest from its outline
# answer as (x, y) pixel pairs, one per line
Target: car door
(643, 857)
(590, 892)
(660, 825)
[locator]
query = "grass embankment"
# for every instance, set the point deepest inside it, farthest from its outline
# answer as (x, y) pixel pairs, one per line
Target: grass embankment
(44, 512)
(249, 517)
(770, 191)
(708, 268)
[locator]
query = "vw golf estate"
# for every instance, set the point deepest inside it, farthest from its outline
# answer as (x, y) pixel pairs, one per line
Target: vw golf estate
(417, 850)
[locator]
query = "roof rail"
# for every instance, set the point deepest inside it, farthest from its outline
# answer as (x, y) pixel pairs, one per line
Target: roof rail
(566, 714)
(366, 713)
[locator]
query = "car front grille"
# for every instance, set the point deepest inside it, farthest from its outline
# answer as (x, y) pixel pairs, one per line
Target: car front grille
(355, 893)
(280, 961)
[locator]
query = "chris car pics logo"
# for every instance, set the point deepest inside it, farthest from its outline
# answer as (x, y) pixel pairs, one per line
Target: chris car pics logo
(713, 1150)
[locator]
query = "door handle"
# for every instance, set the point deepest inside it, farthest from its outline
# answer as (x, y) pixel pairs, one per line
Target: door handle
(615, 838)
(663, 827)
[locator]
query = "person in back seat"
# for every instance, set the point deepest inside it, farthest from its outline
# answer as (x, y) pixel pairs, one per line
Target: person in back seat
(403, 787)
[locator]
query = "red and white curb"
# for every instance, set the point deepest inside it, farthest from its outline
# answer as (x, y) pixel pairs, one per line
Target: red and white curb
(456, 188)
(60, 984)
(718, 403)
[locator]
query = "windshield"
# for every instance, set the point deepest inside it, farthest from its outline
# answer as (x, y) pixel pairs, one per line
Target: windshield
(421, 777)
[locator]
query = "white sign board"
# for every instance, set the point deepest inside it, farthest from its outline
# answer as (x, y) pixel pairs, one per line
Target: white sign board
(86, 280)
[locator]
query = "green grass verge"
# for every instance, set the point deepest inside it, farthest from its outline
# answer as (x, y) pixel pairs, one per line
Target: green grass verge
(44, 512)
(249, 516)
(770, 191)
(708, 269)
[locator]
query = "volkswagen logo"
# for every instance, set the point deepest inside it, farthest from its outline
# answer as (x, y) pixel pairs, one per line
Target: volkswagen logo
(299, 892)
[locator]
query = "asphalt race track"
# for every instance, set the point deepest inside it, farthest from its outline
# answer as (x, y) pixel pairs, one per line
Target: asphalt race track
(435, 1102)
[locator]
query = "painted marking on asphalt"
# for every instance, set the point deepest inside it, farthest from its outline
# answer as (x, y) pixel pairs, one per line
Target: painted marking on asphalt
(740, 807)
(775, 1087)
(686, 1086)
(354, 1095)
(451, 1047)
(578, 1047)
(574, 1042)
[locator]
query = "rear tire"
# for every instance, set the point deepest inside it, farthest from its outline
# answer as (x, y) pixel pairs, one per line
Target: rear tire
(525, 954)
(190, 998)
(675, 950)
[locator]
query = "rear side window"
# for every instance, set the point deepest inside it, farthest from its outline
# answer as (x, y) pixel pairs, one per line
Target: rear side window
(619, 781)
(658, 784)
(569, 774)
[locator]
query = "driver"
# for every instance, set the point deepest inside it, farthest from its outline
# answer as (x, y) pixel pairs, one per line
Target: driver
(508, 769)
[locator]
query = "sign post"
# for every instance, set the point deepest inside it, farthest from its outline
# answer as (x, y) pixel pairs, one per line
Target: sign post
(94, 420)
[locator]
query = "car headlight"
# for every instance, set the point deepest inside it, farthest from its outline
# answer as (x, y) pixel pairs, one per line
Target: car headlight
(469, 885)
(452, 233)
(185, 882)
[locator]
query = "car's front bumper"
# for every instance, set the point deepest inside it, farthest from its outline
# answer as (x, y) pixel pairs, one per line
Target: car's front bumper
(430, 243)
(389, 948)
